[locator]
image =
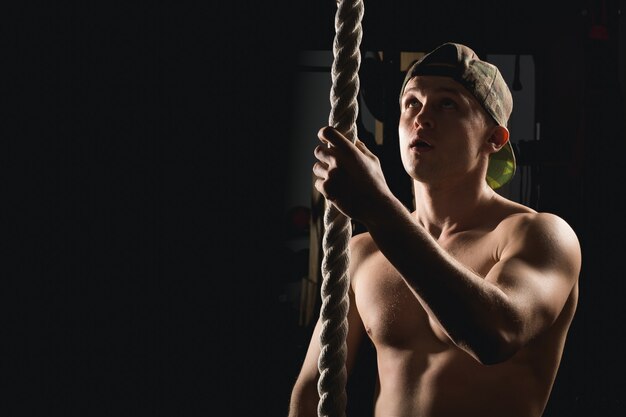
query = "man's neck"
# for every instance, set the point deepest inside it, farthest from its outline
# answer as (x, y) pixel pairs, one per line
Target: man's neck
(445, 210)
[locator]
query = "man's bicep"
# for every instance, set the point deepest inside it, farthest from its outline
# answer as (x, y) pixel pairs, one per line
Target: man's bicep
(309, 368)
(538, 271)
(536, 293)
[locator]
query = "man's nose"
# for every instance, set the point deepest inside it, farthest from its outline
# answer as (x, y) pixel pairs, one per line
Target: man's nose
(424, 117)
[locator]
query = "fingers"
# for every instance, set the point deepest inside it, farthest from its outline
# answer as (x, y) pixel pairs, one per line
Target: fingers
(320, 170)
(321, 181)
(361, 146)
(324, 154)
(338, 147)
(329, 134)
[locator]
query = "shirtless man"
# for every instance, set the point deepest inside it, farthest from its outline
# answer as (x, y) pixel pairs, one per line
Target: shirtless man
(468, 299)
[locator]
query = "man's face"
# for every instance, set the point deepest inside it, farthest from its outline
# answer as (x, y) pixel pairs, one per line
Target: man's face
(442, 130)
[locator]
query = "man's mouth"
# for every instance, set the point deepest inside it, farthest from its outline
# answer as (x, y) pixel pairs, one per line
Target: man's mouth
(421, 144)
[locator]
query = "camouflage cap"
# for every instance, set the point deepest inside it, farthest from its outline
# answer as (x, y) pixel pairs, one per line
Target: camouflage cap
(484, 81)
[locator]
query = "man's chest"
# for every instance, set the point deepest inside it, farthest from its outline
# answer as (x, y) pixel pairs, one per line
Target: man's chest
(391, 311)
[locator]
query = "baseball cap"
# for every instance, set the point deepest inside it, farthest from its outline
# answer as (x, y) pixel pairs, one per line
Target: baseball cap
(484, 81)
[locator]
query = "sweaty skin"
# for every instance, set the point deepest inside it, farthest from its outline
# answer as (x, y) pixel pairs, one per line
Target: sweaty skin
(468, 298)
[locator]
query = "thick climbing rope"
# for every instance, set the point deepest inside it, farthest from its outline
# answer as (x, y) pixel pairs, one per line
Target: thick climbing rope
(337, 227)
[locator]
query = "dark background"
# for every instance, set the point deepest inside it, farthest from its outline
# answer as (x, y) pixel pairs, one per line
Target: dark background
(145, 169)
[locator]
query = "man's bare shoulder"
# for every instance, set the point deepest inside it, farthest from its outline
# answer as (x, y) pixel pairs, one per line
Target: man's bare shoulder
(520, 226)
(538, 222)
(516, 217)
(543, 232)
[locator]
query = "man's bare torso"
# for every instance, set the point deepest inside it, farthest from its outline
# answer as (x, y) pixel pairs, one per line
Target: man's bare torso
(421, 372)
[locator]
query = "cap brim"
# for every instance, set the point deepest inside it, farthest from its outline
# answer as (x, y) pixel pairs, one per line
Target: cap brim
(501, 166)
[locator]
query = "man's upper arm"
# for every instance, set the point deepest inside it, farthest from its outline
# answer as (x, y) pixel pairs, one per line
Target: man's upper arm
(538, 267)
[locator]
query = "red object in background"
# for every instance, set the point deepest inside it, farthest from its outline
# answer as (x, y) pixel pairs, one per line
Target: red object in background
(298, 220)
(598, 30)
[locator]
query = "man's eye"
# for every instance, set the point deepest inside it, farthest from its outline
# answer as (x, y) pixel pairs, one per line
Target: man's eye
(447, 103)
(412, 102)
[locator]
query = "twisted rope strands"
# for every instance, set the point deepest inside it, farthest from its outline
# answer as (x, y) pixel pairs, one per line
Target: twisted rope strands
(337, 227)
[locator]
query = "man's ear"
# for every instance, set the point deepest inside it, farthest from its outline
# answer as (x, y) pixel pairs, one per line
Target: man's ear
(499, 137)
